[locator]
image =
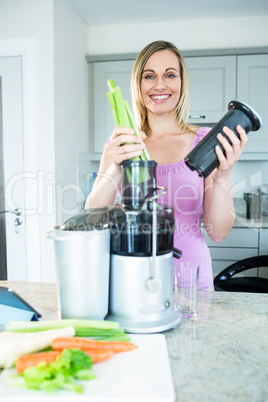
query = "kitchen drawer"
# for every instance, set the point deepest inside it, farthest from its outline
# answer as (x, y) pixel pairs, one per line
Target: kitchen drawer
(263, 272)
(219, 265)
(238, 237)
(232, 254)
(264, 242)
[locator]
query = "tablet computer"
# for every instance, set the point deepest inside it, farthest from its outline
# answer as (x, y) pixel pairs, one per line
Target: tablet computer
(8, 297)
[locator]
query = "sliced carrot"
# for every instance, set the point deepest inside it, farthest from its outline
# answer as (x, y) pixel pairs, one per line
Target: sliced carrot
(85, 344)
(26, 361)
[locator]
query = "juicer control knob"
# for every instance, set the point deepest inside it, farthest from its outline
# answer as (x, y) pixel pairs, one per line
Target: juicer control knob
(154, 285)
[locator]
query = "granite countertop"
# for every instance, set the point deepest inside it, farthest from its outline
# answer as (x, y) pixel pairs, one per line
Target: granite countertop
(219, 355)
(241, 220)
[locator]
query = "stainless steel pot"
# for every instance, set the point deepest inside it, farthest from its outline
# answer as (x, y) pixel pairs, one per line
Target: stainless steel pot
(253, 204)
(82, 254)
(264, 189)
(265, 204)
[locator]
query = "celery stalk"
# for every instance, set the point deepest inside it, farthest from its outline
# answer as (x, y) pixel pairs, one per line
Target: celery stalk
(123, 117)
(121, 109)
(111, 85)
(145, 155)
(100, 330)
(114, 109)
(13, 325)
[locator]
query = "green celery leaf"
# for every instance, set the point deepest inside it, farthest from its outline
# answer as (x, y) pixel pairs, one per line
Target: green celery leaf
(78, 359)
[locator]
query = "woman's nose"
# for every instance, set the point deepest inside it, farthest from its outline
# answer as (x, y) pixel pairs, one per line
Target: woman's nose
(160, 84)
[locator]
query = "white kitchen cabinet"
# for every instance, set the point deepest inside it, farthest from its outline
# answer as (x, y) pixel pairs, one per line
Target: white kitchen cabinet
(252, 87)
(120, 72)
(238, 237)
(263, 271)
(264, 242)
(212, 85)
(240, 243)
(212, 82)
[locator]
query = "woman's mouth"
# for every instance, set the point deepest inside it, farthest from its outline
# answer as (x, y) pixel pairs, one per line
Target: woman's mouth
(160, 98)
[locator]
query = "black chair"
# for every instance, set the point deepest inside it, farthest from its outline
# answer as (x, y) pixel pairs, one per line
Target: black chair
(226, 282)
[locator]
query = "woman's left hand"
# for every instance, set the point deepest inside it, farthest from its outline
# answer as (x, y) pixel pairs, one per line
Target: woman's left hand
(232, 151)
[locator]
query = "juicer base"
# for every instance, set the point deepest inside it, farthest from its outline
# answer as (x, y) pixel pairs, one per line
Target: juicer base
(149, 327)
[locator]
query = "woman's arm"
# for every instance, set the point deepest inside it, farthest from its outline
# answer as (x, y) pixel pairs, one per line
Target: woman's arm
(122, 145)
(219, 213)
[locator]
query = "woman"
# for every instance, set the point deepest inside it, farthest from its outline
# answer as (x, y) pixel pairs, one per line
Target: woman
(161, 106)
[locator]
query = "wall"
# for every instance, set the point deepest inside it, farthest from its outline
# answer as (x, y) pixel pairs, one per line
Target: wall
(62, 106)
(34, 19)
(248, 176)
(186, 35)
(71, 104)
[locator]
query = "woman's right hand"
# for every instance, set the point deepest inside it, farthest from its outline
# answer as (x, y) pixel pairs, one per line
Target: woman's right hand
(124, 144)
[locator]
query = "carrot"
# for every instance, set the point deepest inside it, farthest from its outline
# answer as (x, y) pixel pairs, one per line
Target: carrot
(26, 361)
(99, 355)
(85, 344)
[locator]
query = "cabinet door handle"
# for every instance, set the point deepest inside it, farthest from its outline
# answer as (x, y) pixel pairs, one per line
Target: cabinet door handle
(16, 211)
(197, 116)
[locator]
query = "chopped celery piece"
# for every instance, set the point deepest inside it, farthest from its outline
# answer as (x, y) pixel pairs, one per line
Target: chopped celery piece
(64, 373)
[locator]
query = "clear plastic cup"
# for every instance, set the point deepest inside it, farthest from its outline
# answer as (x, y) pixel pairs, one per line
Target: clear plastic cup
(186, 276)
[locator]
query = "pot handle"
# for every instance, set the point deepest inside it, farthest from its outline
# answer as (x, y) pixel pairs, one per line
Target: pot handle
(176, 253)
(52, 235)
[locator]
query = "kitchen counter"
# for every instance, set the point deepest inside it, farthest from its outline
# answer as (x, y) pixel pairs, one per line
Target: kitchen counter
(220, 355)
(242, 221)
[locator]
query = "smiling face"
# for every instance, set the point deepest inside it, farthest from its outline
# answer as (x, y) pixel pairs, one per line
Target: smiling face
(161, 83)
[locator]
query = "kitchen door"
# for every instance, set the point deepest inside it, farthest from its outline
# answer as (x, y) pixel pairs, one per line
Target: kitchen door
(13, 261)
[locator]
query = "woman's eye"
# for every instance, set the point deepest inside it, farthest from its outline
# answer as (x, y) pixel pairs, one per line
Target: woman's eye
(148, 77)
(170, 75)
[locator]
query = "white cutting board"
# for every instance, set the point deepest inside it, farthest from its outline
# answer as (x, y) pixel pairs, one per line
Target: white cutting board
(142, 375)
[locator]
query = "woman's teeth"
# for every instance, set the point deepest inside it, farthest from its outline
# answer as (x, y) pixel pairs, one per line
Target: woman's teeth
(160, 97)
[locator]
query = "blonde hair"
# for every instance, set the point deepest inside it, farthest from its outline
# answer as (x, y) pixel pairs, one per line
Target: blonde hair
(182, 109)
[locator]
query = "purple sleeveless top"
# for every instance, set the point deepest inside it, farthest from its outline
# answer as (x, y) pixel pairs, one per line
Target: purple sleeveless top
(185, 191)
